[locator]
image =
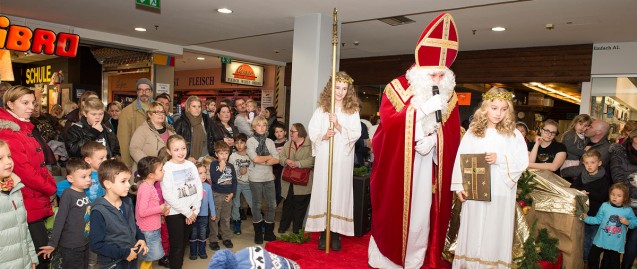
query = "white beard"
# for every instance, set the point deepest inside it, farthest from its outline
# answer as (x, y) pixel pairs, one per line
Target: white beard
(421, 84)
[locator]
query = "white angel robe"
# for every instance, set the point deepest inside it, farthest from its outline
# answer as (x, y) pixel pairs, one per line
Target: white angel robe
(342, 214)
(485, 237)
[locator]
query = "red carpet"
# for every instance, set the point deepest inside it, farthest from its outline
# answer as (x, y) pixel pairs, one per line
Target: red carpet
(352, 256)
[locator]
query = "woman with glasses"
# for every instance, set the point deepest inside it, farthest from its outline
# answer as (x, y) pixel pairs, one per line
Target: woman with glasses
(296, 153)
(150, 137)
(545, 153)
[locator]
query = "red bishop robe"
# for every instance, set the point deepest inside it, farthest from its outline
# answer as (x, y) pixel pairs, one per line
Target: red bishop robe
(391, 179)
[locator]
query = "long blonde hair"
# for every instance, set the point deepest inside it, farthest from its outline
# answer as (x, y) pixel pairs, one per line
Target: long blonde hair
(585, 118)
(506, 126)
(350, 102)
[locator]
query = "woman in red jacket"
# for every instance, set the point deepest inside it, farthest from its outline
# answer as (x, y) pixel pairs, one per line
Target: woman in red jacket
(17, 131)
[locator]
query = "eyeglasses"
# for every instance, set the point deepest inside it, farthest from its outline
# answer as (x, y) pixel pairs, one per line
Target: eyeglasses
(549, 132)
(144, 90)
(158, 112)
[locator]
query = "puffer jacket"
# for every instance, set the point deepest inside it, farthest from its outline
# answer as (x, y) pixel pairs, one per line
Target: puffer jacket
(81, 132)
(16, 244)
(304, 156)
(29, 165)
(184, 128)
(621, 168)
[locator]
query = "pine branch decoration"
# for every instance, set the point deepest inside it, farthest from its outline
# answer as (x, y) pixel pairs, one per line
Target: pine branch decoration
(530, 258)
(298, 238)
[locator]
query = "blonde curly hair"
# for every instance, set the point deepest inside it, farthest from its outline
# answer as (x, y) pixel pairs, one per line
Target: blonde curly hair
(350, 102)
(479, 123)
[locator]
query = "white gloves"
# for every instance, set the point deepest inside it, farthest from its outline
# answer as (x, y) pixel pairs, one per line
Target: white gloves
(432, 104)
(425, 145)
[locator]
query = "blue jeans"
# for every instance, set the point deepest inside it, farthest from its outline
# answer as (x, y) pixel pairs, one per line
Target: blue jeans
(630, 251)
(199, 229)
(589, 234)
(236, 200)
(259, 190)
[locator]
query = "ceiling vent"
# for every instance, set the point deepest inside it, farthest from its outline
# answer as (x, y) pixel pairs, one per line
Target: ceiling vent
(398, 20)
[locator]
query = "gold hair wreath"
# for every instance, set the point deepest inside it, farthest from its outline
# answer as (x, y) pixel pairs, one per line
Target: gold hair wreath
(345, 79)
(507, 96)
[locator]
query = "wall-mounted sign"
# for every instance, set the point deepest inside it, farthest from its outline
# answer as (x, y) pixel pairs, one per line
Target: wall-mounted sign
(242, 73)
(149, 5)
(614, 58)
(464, 98)
(20, 38)
(40, 74)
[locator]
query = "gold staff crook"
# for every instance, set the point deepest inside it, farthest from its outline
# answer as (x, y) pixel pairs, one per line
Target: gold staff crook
(330, 160)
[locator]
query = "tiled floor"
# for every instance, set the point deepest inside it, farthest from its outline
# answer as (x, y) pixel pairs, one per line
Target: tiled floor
(246, 239)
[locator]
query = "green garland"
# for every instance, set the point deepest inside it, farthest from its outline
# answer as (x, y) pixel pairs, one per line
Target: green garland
(299, 238)
(526, 185)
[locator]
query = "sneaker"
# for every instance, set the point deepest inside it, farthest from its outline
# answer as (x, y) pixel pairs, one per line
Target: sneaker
(214, 246)
(164, 262)
(192, 258)
(203, 256)
(228, 243)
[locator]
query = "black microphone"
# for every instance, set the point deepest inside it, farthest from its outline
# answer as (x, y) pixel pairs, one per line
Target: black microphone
(435, 91)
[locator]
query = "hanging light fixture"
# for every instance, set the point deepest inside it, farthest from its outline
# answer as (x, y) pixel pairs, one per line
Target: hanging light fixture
(6, 69)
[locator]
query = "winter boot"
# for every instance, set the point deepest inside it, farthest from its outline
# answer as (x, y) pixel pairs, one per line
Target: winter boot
(236, 227)
(193, 250)
(201, 247)
(269, 232)
(258, 232)
(321, 243)
(335, 241)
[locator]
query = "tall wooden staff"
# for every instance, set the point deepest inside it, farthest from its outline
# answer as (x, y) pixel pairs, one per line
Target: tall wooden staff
(328, 216)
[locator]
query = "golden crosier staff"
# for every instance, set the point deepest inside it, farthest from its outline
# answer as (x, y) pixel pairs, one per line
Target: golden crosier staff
(328, 216)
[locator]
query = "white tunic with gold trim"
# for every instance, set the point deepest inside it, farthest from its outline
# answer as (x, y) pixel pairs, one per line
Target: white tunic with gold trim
(342, 220)
(485, 237)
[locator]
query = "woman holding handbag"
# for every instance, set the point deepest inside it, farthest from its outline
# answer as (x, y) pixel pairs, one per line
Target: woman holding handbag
(295, 154)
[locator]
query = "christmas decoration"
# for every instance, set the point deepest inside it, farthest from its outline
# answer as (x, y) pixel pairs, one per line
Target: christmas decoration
(299, 238)
(537, 249)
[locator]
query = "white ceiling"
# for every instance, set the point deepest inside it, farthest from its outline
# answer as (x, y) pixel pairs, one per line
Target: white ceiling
(259, 28)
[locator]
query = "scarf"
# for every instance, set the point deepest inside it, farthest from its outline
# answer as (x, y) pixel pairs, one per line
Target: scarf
(198, 139)
(262, 149)
(631, 152)
(588, 178)
(6, 184)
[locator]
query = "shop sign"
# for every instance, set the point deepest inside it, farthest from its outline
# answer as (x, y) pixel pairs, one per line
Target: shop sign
(20, 38)
(614, 58)
(39, 74)
(242, 73)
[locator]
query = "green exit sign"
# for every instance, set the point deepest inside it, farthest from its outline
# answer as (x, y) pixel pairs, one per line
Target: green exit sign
(150, 5)
(225, 60)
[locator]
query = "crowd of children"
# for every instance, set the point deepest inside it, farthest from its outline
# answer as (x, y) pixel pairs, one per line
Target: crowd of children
(179, 203)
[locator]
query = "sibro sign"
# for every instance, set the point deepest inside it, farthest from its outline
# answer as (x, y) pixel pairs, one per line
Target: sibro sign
(20, 38)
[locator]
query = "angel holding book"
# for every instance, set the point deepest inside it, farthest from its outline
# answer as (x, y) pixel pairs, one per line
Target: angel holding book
(485, 236)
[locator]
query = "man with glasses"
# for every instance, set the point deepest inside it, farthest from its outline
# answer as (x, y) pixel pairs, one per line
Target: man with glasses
(132, 116)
